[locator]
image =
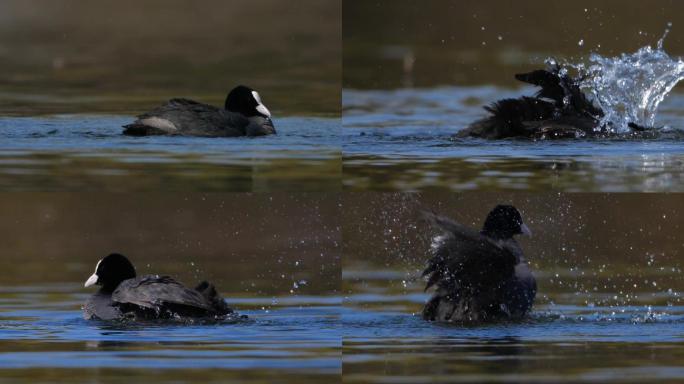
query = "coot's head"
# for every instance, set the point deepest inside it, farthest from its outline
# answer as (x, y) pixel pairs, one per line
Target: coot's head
(504, 222)
(246, 101)
(111, 271)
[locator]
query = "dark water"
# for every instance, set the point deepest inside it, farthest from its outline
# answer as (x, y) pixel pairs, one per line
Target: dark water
(402, 140)
(286, 339)
(88, 152)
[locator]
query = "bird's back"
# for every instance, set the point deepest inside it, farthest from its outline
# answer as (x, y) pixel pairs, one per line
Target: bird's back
(188, 117)
(559, 110)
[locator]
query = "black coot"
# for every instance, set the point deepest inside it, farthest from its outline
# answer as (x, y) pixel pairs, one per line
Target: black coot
(559, 110)
(122, 295)
(244, 115)
(479, 276)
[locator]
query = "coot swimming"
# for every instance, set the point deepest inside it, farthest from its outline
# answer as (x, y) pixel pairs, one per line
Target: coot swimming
(122, 295)
(244, 115)
(479, 276)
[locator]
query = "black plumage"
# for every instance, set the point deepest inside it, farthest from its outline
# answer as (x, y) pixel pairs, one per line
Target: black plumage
(242, 115)
(479, 276)
(124, 296)
(558, 110)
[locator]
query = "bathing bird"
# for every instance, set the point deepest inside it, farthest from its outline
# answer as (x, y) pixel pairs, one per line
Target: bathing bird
(479, 276)
(558, 110)
(125, 296)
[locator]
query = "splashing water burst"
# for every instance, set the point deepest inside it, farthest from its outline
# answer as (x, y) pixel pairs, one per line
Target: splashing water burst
(629, 87)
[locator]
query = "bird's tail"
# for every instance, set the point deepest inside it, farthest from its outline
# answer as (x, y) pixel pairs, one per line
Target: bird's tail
(211, 294)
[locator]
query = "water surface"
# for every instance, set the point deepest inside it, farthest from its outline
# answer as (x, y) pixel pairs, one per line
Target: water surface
(403, 140)
(386, 340)
(88, 152)
(43, 337)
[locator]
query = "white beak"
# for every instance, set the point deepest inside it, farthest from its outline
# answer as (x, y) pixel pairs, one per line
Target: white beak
(92, 280)
(261, 108)
(525, 231)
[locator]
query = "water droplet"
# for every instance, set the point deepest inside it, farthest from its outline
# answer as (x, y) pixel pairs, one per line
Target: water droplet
(629, 87)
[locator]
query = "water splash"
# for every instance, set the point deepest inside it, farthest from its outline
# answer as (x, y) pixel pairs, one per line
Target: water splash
(630, 87)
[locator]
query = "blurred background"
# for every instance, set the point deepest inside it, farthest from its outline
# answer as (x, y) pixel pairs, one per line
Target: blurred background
(68, 56)
(248, 245)
(400, 43)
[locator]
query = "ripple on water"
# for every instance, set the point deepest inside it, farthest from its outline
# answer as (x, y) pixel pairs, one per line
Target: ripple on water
(571, 343)
(296, 340)
(76, 152)
(590, 336)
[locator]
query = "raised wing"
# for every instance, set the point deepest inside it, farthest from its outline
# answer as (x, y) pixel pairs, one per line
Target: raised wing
(462, 258)
(562, 88)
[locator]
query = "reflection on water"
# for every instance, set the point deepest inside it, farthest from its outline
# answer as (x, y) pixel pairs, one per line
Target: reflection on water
(385, 346)
(643, 173)
(609, 305)
(76, 152)
(403, 140)
(386, 340)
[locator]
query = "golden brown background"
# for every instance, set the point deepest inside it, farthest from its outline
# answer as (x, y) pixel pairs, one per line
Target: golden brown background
(470, 42)
(247, 244)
